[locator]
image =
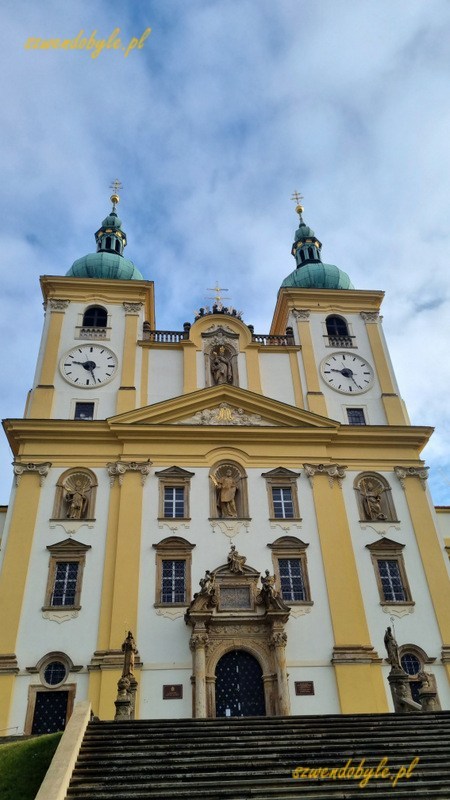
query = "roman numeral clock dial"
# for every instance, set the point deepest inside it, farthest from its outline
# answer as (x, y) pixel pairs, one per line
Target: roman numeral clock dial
(347, 373)
(88, 366)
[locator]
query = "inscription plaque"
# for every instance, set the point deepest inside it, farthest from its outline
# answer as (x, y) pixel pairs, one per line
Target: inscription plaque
(304, 687)
(235, 597)
(173, 691)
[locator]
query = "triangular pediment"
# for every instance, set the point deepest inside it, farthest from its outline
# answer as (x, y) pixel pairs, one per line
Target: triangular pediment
(385, 545)
(223, 405)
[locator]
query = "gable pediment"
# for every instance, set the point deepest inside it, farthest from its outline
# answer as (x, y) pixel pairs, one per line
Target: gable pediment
(223, 405)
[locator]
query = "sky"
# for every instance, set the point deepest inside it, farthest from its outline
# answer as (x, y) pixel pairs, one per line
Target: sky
(226, 109)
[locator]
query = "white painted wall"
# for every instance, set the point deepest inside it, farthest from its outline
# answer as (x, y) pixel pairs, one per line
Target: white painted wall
(165, 374)
(276, 377)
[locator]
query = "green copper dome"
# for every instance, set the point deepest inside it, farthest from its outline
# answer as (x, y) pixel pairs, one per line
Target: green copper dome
(108, 262)
(318, 276)
(311, 272)
(104, 265)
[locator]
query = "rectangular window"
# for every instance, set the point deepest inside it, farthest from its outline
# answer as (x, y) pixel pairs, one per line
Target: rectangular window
(391, 580)
(84, 411)
(283, 505)
(65, 583)
(291, 579)
(174, 501)
(173, 589)
(356, 416)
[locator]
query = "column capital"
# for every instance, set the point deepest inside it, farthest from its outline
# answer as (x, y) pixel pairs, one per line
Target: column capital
(335, 472)
(132, 308)
(41, 469)
(370, 316)
(55, 304)
(301, 313)
(198, 641)
(412, 472)
(278, 639)
(117, 469)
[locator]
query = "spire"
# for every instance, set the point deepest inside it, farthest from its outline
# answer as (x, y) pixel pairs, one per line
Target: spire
(306, 248)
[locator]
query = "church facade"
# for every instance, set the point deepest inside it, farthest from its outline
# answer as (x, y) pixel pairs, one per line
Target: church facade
(252, 507)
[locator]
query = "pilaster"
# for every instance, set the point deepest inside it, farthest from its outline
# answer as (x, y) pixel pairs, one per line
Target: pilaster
(315, 399)
(393, 405)
(41, 400)
(126, 396)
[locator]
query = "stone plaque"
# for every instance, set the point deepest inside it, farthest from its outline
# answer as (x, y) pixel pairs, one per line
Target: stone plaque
(173, 691)
(235, 597)
(304, 687)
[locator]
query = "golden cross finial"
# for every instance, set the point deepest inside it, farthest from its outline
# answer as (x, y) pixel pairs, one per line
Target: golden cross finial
(217, 293)
(115, 186)
(297, 197)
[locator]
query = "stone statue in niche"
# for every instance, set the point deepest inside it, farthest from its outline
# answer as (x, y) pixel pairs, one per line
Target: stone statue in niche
(226, 488)
(371, 491)
(76, 494)
(221, 367)
(236, 561)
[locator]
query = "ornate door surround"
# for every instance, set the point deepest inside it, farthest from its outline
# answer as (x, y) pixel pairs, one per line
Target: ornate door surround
(232, 613)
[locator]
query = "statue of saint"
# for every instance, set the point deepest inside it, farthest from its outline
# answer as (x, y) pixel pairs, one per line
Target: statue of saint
(221, 367)
(207, 583)
(372, 495)
(129, 649)
(392, 649)
(268, 585)
(226, 494)
(76, 500)
(236, 562)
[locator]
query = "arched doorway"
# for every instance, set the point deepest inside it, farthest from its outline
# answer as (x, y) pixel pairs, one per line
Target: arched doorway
(239, 686)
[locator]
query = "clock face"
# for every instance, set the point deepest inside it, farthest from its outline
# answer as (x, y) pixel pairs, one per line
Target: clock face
(347, 373)
(88, 365)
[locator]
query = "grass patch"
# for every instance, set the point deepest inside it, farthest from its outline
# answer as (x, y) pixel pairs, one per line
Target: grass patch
(23, 766)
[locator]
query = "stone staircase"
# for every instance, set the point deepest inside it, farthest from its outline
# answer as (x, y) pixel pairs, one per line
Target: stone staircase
(253, 757)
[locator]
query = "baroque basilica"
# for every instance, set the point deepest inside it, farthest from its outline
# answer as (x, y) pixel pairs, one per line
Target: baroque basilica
(251, 507)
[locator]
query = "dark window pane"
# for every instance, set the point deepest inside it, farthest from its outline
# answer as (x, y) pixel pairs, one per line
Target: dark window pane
(65, 586)
(173, 501)
(84, 410)
(336, 326)
(411, 664)
(283, 506)
(291, 579)
(55, 672)
(356, 416)
(391, 580)
(173, 582)
(95, 317)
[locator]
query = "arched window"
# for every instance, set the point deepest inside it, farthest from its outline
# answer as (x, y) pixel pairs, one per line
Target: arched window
(338, 332)
(310, 252)
(117, 246)
(374, 497)
(95, 317)
(108, 243)
(413, 660)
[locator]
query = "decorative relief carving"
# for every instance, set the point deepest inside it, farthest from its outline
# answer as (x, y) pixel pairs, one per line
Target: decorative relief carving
(334, 472)
(398, 611)
(71, 527)
(42, 470)
(237, 630)
(132, 308)
(230, 527)
(171, 613)
(412, 472)
(117, 469)
(60, 616)
(173, 524)
(224, 415)
(301, 313)
(370, 316)
(58, 305)
(278, 639)
(285, 525)
(382, 530)
(300, 611)
(198, 640)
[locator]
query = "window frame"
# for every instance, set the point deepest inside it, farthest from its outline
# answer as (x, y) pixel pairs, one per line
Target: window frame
(173, 548)
(67, 551)
(174, 478)
(84, 403)
(291, 548)
(338, 339)
(282, 478)
(388, 550)
(349, 409)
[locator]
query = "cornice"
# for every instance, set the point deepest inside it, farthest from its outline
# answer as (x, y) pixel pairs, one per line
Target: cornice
(338, 300)
(100, 290)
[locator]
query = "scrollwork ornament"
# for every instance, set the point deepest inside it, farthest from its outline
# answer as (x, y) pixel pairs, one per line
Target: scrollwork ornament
(278, 639)
(42, 470)
(370, 316)
(412, 472)
(334, 472)
(132, 308)
(198, 640)
(117, 469)
(301, 313)
(58, 305)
